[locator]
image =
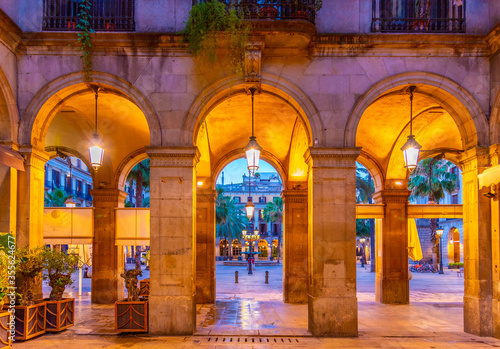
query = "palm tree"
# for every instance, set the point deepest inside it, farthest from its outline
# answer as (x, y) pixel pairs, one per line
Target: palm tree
(139, 175)
(55, 198)
(229, 219)
(273, 212)
(364, 194)
(431, 179)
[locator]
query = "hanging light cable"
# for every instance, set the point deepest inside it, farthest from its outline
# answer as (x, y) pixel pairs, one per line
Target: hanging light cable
(96, 151)
(253, 148)
(411, 148)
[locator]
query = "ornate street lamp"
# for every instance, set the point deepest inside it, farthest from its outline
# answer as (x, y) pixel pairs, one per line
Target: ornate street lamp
(439, 234)
(96, 151)
(247, 236)
(253, 148)
(411, 148)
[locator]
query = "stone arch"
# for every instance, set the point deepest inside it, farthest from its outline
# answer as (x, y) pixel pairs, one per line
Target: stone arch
(461, 105)
(219, 91)
(11, 116)
(240, 153)
(42, 107)
(71, 152)
(374, 168)
(126, 165)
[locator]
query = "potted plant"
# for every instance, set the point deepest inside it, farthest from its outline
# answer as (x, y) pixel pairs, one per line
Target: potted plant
(131, 314)
(59, 266)
(30, 314)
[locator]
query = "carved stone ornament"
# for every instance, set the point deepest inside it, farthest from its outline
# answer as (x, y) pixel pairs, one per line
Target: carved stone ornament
(253, 59)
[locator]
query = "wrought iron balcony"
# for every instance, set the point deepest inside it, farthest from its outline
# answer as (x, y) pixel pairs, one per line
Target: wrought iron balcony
(106, 15)
(273, 9)
(418, 16)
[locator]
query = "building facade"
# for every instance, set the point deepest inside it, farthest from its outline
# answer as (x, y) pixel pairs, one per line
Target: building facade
(332, 89)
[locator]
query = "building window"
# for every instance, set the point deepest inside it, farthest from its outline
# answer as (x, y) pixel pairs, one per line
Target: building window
(79, 189)
(106, 15)
(78, 163)
(262, 200)
(56, 179)
(454, 199)
(437, 16)
(237, 199)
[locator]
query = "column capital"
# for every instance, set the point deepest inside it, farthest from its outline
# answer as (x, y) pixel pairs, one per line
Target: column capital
(295, 196)
(173, 156)
(108, 195)
(392, 196)
(206, 195)
(474, 159)
(34, 157)
(332, 157)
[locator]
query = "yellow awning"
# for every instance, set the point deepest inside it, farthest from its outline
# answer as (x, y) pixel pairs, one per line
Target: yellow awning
(414, 248)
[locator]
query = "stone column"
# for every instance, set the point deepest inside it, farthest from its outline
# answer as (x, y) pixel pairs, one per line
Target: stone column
(107, 258)
(333, 306)
(295, 280)
(31, 198)
(8, 199)
(172, 302)
(205, 245)
(477, 246)
(495, 244)
(391, 280)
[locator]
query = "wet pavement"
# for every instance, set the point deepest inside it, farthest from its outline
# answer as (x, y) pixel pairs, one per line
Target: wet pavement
(250, 314)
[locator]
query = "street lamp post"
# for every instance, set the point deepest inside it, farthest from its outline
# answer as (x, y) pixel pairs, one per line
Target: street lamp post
(250, 238)
(362, 241)
(439, 233)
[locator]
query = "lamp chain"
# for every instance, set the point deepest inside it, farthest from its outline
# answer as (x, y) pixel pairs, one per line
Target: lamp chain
(96, 96)
(411, 112)
(252, 90)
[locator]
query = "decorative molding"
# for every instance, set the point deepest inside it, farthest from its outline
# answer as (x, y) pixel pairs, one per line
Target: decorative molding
(392, 196)
(173, 156)
(108, 195)
(253, 63)
(34, 157)
(474, 160)
(294, 196)
(332, 157)
(206, 195)
(10, 33)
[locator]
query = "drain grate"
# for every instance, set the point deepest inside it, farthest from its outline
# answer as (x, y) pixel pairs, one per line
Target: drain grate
(220, 340)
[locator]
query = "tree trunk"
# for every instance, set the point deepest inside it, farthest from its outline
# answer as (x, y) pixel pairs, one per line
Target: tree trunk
(279, 245)
(434, 240)
(138, 188)
(138, 257)
(372, 245)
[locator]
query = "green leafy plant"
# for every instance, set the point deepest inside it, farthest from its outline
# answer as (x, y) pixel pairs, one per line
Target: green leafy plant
(6, 252)
(29, 266)
(210, 21)
(457, 265)
(55, 198)
(59, 266)
(84, 42)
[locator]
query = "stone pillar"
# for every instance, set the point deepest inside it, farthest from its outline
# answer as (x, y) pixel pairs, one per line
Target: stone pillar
(31, 198)
(172, 302)
(107, 258)
(477, 246)
(495, 244)
(295, 280)
(333, 306)
(8, 199)
(205, 245)
(391, 280)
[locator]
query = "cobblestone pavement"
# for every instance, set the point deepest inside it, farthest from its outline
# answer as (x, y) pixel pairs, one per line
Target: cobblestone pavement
(250, 314)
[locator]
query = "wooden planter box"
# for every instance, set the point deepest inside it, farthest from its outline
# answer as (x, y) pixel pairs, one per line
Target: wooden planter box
(144, 288)
(4, 327)
(60, 314)
(131, 316)
(30, 321)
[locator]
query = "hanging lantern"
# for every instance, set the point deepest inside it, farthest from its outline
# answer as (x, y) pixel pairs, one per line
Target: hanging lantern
(253, 148)
(411, 150)
(96, 152)
(249, 208)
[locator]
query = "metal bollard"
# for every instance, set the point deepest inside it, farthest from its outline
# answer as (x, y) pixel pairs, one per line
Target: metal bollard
(235, 277)
(267, 277)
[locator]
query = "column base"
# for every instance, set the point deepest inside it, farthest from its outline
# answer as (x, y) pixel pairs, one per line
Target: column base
(392, 291)
(333, 317)
(205, 289)
(295, 290)
(478, 316)
(106, 291)
(172, 315)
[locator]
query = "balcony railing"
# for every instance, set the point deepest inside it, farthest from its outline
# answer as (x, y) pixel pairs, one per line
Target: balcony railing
(106, 15)
(273, 9)
(419, 16)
